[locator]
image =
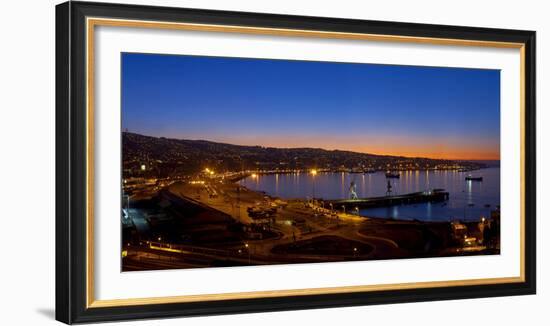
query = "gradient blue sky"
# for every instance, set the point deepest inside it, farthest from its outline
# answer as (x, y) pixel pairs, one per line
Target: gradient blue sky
(396, 110)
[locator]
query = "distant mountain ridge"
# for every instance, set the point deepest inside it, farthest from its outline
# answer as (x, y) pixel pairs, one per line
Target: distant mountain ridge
(195, 154)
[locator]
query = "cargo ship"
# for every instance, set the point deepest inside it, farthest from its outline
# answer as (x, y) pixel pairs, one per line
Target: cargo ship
(471, 178)
(390, 174)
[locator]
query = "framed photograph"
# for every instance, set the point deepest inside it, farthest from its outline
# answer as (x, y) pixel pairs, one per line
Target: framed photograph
(213, 162)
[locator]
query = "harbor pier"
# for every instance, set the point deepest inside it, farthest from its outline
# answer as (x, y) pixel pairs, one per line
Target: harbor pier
(434, 195)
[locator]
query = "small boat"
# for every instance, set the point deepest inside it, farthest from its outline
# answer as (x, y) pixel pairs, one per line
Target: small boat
(470, 178)
(392, 174)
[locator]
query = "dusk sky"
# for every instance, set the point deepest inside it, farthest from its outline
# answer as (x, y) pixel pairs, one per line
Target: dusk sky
(434, 112)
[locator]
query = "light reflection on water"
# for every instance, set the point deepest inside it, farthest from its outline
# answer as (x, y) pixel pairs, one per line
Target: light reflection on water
(467, 199)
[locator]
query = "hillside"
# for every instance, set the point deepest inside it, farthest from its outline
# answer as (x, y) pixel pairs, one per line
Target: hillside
(189, 156)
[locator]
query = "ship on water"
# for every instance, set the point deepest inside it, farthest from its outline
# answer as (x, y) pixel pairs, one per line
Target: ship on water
(469, 177)
(390, 174)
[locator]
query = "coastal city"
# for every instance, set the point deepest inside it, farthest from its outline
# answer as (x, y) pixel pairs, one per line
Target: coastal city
(191, 210)
(230, 161)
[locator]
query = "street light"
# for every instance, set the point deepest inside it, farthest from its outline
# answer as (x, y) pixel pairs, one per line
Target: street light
(247, 249)
(127, 203)
(313, 173)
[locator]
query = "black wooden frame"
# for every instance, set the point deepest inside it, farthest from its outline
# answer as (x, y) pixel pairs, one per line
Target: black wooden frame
(71, 162)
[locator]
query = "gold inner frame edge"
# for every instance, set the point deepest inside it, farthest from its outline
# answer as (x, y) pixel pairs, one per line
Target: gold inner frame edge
(91, 22)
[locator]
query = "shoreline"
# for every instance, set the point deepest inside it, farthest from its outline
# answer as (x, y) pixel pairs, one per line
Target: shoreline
(353, 217)
(468, 200)
(225, 224)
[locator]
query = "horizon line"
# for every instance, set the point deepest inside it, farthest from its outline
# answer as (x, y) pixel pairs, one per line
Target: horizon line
(321, 148)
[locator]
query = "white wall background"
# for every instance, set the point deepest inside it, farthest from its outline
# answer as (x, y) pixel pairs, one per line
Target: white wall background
(27, 161)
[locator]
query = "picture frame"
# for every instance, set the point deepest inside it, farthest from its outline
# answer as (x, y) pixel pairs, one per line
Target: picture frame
(76, 264)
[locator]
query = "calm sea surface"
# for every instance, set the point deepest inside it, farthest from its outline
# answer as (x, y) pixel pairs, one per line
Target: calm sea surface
(467, 199)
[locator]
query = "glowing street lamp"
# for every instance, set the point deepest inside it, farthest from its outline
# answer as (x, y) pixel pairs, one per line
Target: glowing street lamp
(127, 204)
(313, 173)
(143, 167)
(247, 249)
